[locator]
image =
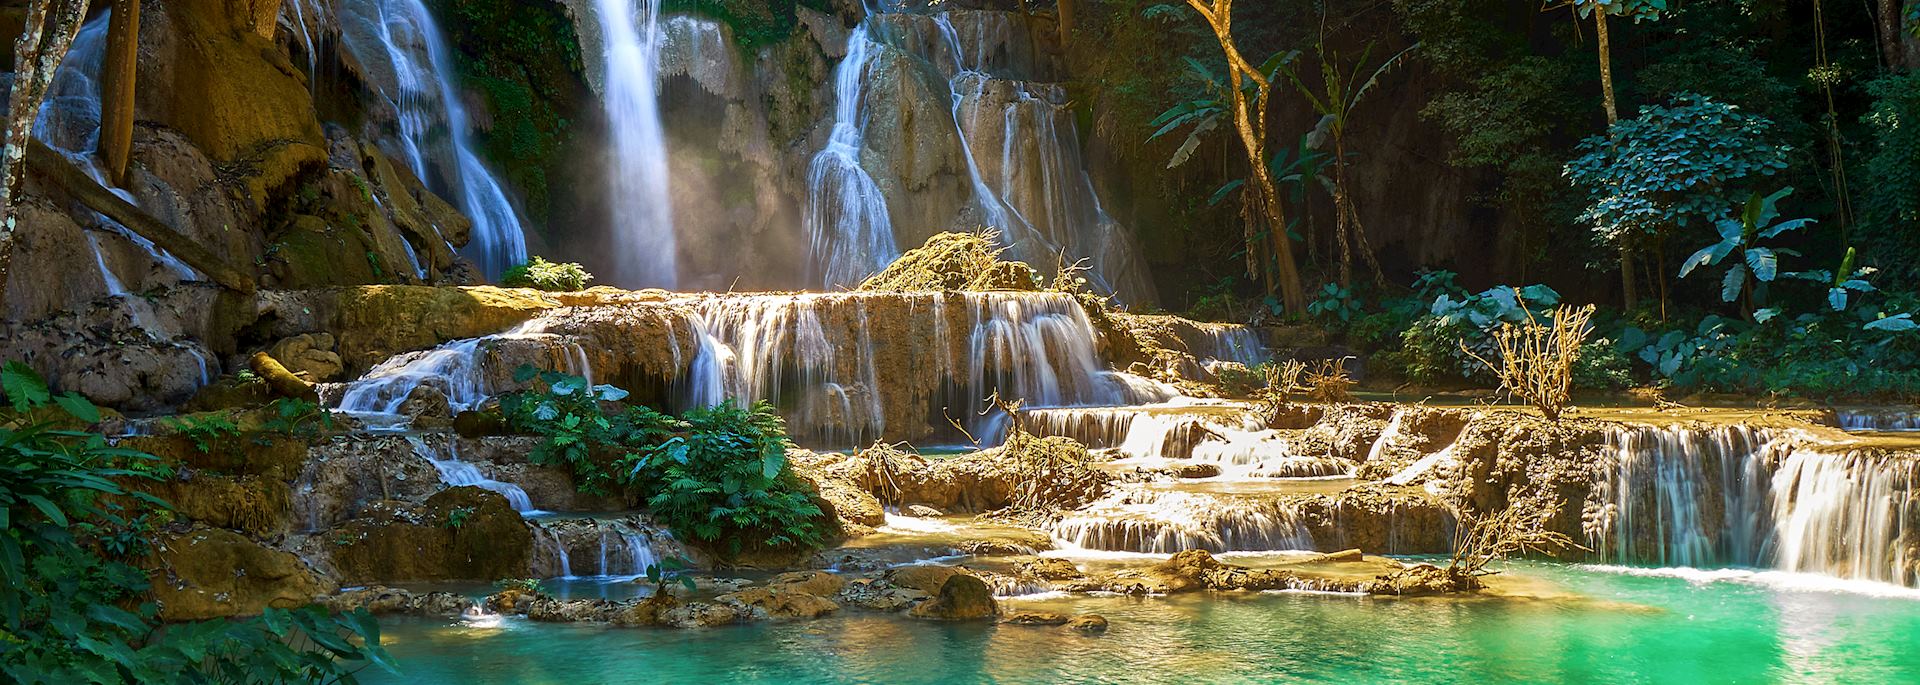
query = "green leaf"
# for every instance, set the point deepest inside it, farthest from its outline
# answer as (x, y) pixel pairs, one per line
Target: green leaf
(78, 407)
(1764, 262)
(24, 387)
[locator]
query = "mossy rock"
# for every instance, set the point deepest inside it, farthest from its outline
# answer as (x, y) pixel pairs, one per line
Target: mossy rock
(262, 507)
(371, 323)
(311, 253)
(211, 573)
(230, 393)
(463, 533)
(268, 455)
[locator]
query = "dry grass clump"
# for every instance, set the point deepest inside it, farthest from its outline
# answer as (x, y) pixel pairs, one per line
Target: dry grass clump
(1328, 381)
(885, 467)
(1535, 360)
(954, 261)
(1050, 474)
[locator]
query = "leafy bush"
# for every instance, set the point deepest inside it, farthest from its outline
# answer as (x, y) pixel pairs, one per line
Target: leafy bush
(1674, 166)
(1602, 367)
(725, 472)
(716, 473)
(1442, 343)
(545, 275)
(70, 601)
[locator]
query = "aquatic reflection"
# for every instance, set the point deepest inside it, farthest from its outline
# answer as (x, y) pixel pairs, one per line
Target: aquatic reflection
(1617, 626)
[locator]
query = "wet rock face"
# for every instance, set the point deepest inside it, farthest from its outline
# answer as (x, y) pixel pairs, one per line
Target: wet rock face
(963, 597)
(371, 323)
(210, 573)
(343, 475)
(462, 533)
(382, 600)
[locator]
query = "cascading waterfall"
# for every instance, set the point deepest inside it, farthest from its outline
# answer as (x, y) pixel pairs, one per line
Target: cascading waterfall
(846, 219)
(638, 191)
(1879, 419)
(1025, 174)
(69, 122)
(431, 115)
(457, 473)
(1160, 522)
(1739, 496)
(1035, 347)
(459, 370)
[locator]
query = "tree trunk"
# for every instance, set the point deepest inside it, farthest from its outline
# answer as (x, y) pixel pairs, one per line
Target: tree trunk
(1065, 10)
(53, 169)
(1251, 123)
(116, 89)
(49, 30)
(1628, 294)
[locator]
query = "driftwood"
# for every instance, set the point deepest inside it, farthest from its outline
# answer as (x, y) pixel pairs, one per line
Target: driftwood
(283, 382)
(54, 168)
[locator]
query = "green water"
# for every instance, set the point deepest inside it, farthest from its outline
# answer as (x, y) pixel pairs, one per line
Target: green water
(1619, 628)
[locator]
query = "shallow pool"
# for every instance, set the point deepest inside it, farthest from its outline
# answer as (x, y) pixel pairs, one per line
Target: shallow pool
(1586, 624)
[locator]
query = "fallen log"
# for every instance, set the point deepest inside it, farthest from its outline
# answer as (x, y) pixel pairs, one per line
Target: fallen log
(283, 382)
(55, 169)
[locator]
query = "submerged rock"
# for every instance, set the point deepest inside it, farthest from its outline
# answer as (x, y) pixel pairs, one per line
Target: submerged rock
(777, 603)
(1088, 623)
(1035, 618)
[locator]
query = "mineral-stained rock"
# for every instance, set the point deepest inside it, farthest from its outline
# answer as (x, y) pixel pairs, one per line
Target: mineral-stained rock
(210, 573)
(251, 504)
(879, 595)
(551, 610)
(342, 475)
(701, 615)
(260, 454)
(371, 323)
(817, 583)
(380, 600)
(926, 578)
(308, 355)
(962, 597)
(1088, 623)
(462, 533)
(1048, 568)
(777, 603)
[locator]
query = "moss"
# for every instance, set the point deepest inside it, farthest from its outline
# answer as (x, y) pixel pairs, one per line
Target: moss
(755, 23)
(525, 61)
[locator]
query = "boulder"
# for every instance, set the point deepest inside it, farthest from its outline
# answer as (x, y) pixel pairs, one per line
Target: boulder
(962, 597)
(878, 595)
(817, 583)
(1048, 568)
(382, 600)
(211, 573)
(701, 615)
(1088, 623)
(923, 511)
(308, 355)
(777, 603)
(463, 533)
(928, 578)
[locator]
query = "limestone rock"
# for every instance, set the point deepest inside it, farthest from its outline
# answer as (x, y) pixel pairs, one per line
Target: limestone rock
(879, 595)
(462, 533)
(309, 355)
(1048, 568)
(923, 511)
(212, 573)
(818, 583)
(962, 597)
(1088, 623)
(928, 578)
(777, 603)
(701, 615)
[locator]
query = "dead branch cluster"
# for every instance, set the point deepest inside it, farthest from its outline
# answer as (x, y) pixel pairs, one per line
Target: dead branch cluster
(1534, 360)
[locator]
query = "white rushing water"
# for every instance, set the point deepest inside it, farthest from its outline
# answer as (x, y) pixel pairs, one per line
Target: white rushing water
(434, 132)
(1024, 171)
(642, 210)
(445, 458)
(1746, 497)
(846, 219)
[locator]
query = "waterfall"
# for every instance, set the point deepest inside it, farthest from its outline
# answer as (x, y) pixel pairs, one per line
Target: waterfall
(1160, 522)
(642, 210)
(631, 554)
(1886, 419)
(814, 356)
(852, 236)
(1024, 172)
(456, 473)
(1738, 496)
(431, 114)
(69, 122)
(463, 371)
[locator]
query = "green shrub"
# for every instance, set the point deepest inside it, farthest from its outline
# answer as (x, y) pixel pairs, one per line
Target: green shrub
(71, 605)
(545, 275)
(718, 473)
(1601, 367)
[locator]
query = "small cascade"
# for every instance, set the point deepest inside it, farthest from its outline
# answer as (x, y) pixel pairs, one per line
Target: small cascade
(1163, 522)
(624, 554)
(547, 543)
(457, 473)
(1846, 515)
(600, 549)
(434, 135)
(1738, 496)
(642, 211)
(1230, 343)
(846, 217)
(464, 371)
(1879, 419)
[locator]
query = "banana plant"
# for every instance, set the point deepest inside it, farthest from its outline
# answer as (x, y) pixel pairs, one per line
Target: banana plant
(1840, 284)
(1742, 235)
